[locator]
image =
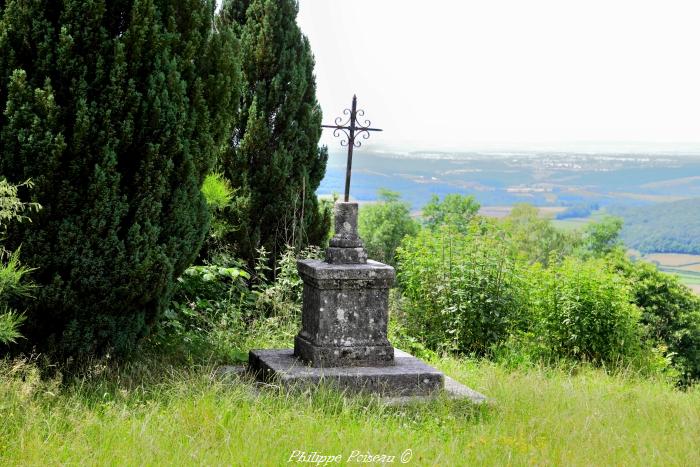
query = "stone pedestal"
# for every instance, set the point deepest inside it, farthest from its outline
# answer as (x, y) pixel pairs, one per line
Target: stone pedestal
(346, 302)
(345, 314)
(343, 339)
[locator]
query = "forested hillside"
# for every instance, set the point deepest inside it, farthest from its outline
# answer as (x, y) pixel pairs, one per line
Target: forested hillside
(672, 227)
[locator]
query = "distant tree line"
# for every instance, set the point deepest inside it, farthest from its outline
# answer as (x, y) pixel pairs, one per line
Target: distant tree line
(672, 227)
(578, 210)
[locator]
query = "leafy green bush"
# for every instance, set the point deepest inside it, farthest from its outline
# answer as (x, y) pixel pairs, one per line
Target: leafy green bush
(670, 312)
(12, 286)
(218, 310)
(209, 302)
(382, 226)
(219, 196)
(281, 296)
(464, 292)
(12, 209)
(582, 310)
(601, 238)
(217, 191)
(477, 293)
(13, 283)
(455, 209)
(535, 237)
(10, 321)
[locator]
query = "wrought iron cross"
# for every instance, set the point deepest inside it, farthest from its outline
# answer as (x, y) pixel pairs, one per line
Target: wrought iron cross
(352, 129)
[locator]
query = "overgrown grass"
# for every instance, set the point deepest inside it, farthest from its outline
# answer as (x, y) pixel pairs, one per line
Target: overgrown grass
(151, 413)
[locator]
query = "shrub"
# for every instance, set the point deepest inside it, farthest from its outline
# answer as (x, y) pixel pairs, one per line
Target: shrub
(219, 310)
(670, 312)
(583, 310)
(455, 209)
(219, 196)
(116, 110)
(274, 159)
(382, 226)
(281, 297)
(208, 307)
(476, 293)
(535, 237)
(463, 292)
(13, 283)
(12, 209)
(601, 238)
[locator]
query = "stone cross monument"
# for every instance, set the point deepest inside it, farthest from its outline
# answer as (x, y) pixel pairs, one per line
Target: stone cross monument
(346, 302)
(343, 337)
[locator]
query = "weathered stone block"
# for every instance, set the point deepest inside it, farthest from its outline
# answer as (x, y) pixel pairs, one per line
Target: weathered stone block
(345, 314)
(346, 247)
(346, 255)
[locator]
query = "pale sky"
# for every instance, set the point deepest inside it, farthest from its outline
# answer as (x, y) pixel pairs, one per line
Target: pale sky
(468, 74)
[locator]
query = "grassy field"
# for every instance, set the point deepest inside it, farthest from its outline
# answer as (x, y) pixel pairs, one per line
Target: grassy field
(686, 267)
(503, 211)
(675, 260)
(148, 414)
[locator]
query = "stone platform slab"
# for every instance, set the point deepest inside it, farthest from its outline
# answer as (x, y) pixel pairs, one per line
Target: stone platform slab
(407, 377)
(408, 380)
(453, 390)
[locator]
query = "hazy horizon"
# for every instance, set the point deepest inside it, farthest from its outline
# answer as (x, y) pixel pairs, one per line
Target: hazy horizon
(505, 75)
(584, 148)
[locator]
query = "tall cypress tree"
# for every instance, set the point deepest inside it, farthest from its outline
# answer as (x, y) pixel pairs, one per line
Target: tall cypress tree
(274, 160)
(116, 110)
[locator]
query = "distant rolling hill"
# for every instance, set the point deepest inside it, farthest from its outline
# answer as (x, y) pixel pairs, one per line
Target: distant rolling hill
(502, 179)
(672, 227)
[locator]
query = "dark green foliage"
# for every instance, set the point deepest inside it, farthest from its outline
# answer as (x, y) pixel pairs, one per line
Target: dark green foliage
(455, 209)
(670, 312)
(384, 224)
(274, 161)
(672, 227)
(116, 111)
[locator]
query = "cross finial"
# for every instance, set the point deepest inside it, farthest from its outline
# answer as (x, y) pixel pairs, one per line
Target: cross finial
(352, 129)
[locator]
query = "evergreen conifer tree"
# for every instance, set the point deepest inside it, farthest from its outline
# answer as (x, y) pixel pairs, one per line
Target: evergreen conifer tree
(116, 110)
(274, 161)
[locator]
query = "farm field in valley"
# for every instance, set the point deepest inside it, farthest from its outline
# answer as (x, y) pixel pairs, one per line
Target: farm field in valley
(689, 263)
(686, 266)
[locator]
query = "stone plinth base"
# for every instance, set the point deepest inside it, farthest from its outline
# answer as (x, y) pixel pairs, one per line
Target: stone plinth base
(345, 313)
(407, 377)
